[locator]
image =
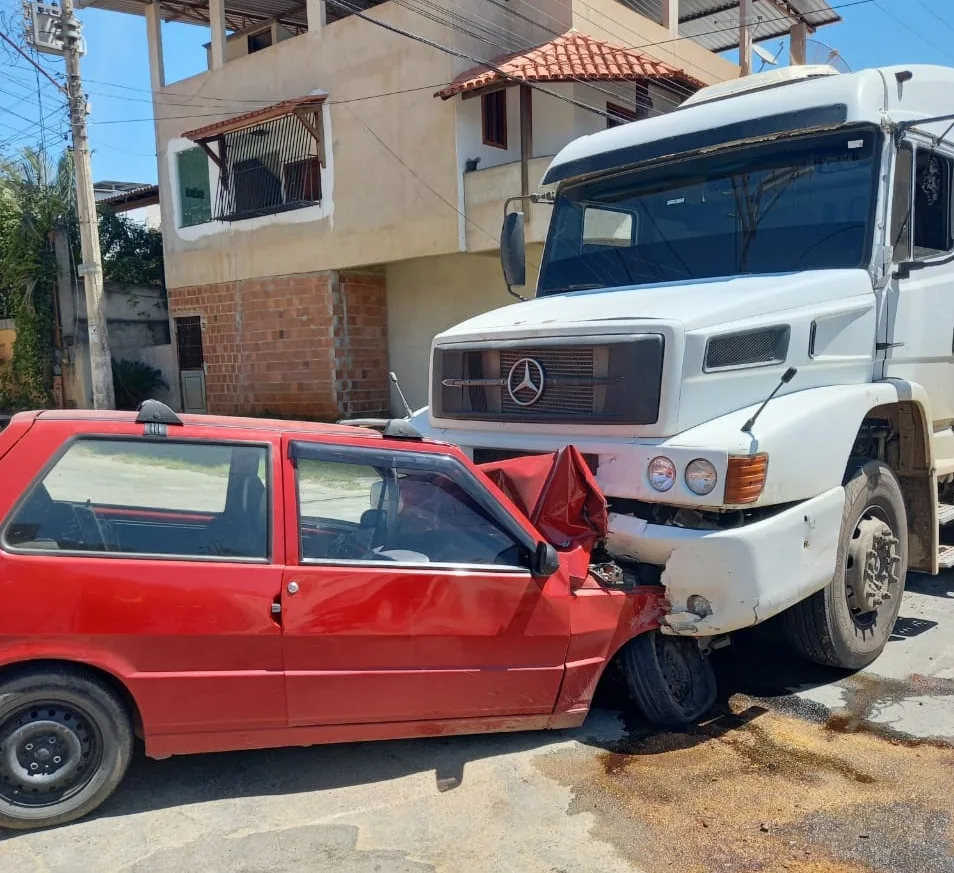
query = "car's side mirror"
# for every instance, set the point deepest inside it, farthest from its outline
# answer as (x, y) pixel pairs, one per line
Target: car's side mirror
(513, 256)
(545, 562)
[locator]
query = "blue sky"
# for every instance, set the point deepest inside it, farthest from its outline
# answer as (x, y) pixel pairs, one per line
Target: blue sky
(116, 73)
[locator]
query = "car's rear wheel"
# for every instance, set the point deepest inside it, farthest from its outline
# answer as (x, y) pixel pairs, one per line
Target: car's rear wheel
(65, 744)
(669, 678)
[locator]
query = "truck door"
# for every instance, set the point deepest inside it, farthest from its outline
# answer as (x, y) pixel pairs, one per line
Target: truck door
(920, 300)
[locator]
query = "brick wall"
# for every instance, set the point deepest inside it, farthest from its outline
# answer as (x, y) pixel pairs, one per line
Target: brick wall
(361, 344)
(312, 345)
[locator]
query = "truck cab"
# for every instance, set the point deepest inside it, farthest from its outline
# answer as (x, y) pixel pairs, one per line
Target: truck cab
(785, 238)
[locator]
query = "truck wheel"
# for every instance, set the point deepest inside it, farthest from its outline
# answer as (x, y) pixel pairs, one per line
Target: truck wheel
(65, 744)
(847, 623)
(669, 679)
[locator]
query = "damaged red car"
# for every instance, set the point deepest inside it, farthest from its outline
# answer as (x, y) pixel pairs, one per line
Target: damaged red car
(210, 583)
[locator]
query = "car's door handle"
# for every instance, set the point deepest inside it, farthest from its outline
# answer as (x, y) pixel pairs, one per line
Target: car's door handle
(292, 587)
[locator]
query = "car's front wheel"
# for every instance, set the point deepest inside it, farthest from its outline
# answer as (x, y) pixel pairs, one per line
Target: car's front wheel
(669, 678)
(65, 744)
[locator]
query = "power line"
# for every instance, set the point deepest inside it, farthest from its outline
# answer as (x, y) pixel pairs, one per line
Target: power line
(30, 60)
(910, 29)
(930, 11)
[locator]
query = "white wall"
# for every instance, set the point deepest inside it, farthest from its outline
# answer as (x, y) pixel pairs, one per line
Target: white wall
(429, 295)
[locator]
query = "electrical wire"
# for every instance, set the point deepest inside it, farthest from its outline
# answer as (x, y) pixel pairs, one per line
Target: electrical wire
(911, 30)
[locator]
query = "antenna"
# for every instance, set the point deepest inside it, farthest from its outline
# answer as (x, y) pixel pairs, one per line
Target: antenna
(394, 381)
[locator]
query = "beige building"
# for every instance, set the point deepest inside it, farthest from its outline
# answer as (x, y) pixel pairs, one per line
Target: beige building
(332, 186)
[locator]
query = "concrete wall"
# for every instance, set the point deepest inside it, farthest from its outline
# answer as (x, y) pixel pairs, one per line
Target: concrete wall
(427, 296)
(138, 327)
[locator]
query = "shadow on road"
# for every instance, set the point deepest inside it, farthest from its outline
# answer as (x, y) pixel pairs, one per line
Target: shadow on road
(752, 666)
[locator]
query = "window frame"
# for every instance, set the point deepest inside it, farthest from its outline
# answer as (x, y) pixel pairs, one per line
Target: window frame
(45, 470)
(490, 139)
(250, 37)
(445, 465)
(179, 192)
(944, 254)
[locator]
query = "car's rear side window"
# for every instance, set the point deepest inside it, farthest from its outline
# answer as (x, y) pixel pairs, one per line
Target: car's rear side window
(136, 497)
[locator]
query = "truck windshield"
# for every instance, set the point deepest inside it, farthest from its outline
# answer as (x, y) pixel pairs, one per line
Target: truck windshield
(799, 204)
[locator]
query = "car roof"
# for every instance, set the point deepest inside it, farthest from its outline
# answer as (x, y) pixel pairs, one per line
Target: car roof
(229, 421)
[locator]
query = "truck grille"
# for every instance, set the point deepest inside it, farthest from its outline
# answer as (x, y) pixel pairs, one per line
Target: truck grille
(615, 381)
(570, 361)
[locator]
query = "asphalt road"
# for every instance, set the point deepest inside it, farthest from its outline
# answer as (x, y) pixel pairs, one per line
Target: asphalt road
(800, 769)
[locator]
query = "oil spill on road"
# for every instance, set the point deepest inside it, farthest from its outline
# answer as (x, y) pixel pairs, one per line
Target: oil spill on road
(758, 790)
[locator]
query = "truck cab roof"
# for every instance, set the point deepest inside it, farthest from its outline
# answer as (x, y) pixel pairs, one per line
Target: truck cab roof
(775, 106)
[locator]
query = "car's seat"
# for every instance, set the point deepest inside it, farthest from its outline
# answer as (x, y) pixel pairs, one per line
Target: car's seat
(242, 529)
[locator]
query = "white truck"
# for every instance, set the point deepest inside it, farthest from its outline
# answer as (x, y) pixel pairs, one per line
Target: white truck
(784, 237)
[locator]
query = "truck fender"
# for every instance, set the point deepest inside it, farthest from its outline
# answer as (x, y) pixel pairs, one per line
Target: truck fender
(809, 435)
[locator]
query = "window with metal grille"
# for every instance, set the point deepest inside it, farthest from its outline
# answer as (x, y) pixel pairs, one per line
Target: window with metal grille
(493, 108)
(189, 342)
(270, 168)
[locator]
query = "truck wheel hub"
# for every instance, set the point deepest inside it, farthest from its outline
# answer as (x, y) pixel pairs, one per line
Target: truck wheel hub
(874, 566)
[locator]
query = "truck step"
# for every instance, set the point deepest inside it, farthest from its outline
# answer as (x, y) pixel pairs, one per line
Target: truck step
(945, 513)
(946, 557)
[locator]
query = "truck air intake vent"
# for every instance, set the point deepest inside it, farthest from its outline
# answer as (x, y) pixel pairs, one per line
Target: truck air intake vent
(752, 348)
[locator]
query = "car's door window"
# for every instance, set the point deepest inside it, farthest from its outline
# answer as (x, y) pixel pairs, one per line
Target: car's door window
(136, 497)
(409, 513)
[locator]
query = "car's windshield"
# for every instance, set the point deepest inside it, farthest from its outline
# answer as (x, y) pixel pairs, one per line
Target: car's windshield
(799, 204)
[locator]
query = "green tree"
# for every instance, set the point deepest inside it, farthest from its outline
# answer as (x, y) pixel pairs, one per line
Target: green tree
(132, 252)
(36, 198)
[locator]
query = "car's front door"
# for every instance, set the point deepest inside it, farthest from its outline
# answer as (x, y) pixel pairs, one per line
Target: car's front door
(411, 598)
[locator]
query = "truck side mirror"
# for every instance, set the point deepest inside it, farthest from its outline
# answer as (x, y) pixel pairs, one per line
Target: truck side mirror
(513, 257)
(545, 561)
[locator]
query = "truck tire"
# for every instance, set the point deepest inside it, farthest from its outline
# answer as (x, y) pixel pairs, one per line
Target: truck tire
(65, 744)
(848, 622)
(668, 678)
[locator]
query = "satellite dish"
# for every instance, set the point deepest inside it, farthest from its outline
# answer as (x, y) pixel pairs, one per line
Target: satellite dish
(766, 56)
(819, 53)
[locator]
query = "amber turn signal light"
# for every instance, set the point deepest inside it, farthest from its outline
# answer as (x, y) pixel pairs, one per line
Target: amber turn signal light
(745, 478)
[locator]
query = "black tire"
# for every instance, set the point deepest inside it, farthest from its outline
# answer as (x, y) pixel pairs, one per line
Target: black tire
(65, 744)
(828, 627)
(669, 678)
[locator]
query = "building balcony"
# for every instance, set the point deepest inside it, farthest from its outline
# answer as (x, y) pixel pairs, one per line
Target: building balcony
(486, 192)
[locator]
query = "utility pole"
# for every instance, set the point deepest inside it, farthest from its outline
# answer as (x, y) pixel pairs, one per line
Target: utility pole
(92, 267)
(745, 36)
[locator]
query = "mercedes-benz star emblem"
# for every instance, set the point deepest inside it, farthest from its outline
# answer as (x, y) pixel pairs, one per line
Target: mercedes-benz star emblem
(525, 382)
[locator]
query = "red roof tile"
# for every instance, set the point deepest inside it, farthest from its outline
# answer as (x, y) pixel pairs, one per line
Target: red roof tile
(573, 56)
(258, 116)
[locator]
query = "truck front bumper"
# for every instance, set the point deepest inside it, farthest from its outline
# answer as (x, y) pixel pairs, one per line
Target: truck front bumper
(723, 580)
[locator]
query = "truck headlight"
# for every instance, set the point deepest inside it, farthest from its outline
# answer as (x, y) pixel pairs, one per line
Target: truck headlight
(701, 476)
(661, 473)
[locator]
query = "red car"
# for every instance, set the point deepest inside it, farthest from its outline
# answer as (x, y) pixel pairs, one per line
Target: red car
(214, 583)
